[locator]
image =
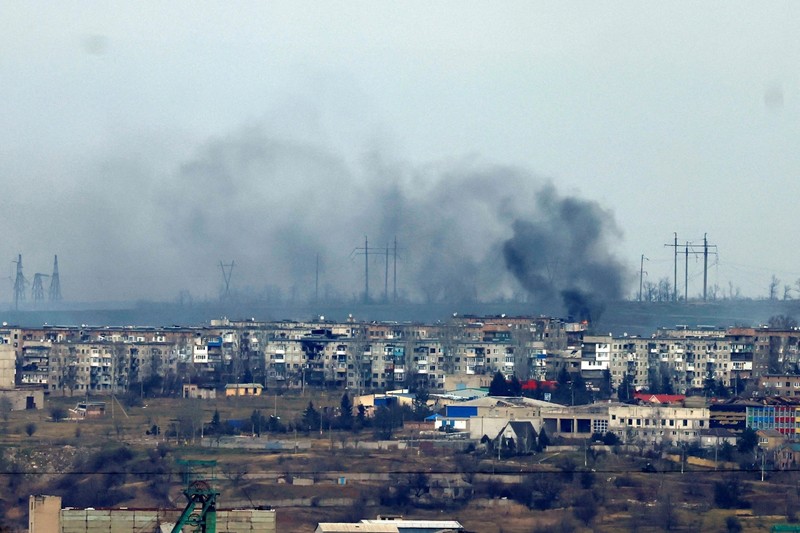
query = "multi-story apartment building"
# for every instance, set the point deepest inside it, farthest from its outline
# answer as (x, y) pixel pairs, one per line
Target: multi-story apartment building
(35, 363)
(374, 356)
(786, 385)
(686, 362)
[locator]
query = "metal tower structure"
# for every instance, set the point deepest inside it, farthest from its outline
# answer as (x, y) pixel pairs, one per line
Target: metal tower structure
(54, 292)
(227, 272)
(37, 289)
(200, 513)
(19, 284)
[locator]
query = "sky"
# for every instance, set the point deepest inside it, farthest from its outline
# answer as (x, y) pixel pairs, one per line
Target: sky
(145, 143)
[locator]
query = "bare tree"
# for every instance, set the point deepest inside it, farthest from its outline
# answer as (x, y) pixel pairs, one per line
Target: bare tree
(713, 292)
(774, 283)
(650, 291)
(664, 290)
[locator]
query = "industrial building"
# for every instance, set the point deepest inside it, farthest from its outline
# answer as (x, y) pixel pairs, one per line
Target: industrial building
(47, 516)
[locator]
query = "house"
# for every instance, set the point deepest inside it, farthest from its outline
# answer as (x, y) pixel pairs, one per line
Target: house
(518, 436)
(243, 389)
(659, 399)
(787, 457)
(715, 437)
(770, 439)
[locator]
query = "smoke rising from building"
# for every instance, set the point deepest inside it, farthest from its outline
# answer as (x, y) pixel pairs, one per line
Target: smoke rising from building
(467, 231)
(563, 251)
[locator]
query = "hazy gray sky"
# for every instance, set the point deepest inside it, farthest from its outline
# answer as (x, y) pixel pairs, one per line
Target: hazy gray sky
(146, 141)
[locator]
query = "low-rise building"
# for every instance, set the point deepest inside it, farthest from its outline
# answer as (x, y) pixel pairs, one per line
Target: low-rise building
(243, 389)
(45, 515)
(201, 392)
(656, 424)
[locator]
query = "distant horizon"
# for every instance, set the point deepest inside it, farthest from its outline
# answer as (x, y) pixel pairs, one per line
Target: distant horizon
(619, 318)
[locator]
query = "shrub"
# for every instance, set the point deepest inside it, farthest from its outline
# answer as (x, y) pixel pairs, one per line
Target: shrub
(57, 414)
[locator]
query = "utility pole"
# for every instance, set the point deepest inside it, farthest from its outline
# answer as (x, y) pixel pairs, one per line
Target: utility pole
(695, 249)
(365, 251)
(316, 282)
(705, 267)
(386, 277)
(706, 247)
(674, 247)
(395, 268)
(641, 276)
(686, 275)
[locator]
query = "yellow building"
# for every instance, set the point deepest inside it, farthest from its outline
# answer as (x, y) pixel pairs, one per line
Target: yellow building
(243, 389)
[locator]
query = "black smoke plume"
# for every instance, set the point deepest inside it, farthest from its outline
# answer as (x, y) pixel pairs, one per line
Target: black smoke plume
(562, 250)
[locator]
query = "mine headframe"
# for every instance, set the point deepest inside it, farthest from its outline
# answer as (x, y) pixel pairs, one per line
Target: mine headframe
(200, 512)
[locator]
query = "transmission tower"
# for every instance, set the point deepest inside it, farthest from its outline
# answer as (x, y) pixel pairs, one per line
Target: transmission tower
(37, 289)
(227, 271)
(54, 292)
(19, 284)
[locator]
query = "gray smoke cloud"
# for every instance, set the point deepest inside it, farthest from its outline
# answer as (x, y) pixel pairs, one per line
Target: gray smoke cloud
(467, 231)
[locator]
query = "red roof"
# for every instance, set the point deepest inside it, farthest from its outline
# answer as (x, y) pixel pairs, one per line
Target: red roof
(532, 384)
(658, 398)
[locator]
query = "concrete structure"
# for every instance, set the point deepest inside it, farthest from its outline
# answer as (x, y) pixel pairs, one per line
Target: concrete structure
(90, 409)
(781, 414)
(770, 439)
(46, 516)
(779, 385)
(374, 356)
(578, 422)
(197, 392)
(243, 389)
(655, 424)
(417, 526)
(24, 398)
(343, 527)
(8, 366)
(517, 437)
